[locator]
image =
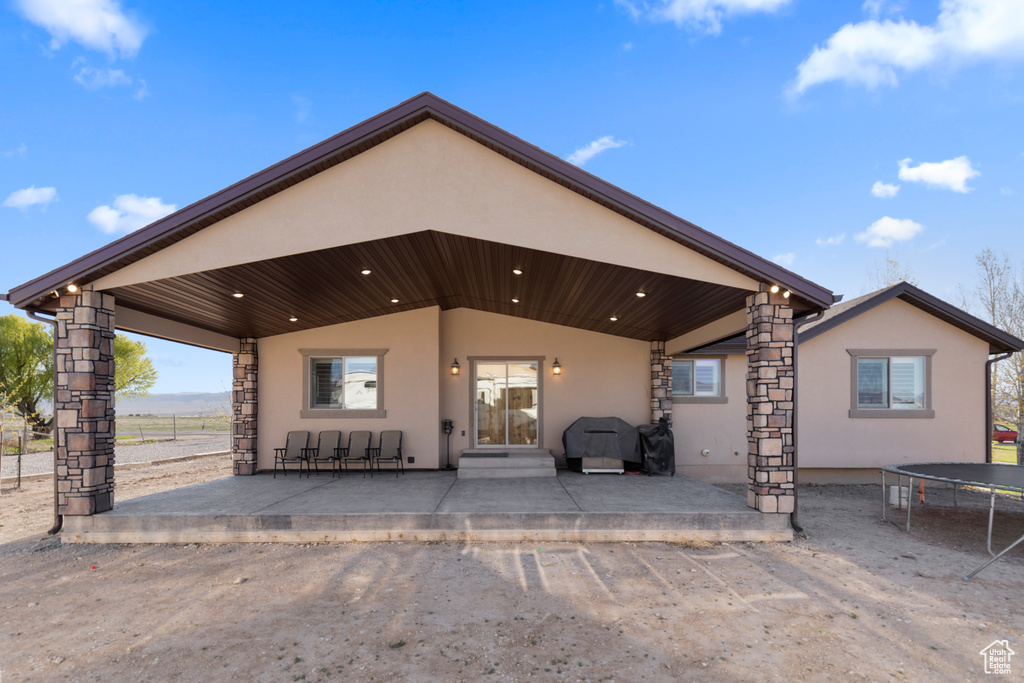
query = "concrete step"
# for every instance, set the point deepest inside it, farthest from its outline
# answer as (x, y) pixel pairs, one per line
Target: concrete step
(506, 473)
(511, 462)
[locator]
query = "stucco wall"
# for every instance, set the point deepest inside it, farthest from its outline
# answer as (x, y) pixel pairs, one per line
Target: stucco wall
(828, 437)
(410, 382)
(720, 428)
(427, 178)
(603, 375)
(832, 446)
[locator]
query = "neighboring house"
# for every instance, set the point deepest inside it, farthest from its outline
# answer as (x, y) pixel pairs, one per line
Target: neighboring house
(895, 376)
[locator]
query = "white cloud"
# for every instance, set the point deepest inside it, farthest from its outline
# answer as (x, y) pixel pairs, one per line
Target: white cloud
(1005, 191)
(700, 15)
(887, 231)
(141, 92)
(95, 24)
(129, 213)
(303, 106)
(871, 52)
(785, 260)
(91, 78)
(18, 151)
(951, 174)
(884, 190)
(831, 241)
(626, 47)
(584, 154)
(31, 196)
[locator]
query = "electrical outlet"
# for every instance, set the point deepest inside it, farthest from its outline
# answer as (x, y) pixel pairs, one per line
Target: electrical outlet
(463, 432)
(411, 459)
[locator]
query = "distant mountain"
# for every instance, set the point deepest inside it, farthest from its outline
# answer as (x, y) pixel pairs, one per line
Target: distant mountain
(184, 403)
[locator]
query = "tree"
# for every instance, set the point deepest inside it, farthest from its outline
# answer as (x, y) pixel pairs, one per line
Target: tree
(995, 275)
(26, 367)
(134, 374)
(887, 272)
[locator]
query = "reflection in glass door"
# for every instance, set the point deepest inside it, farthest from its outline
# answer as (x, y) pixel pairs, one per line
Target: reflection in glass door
(506, 403)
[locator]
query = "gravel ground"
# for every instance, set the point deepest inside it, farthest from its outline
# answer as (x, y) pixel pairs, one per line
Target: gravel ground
(42, 463)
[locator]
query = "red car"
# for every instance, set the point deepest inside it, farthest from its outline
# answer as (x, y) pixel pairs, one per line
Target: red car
(1003, 434)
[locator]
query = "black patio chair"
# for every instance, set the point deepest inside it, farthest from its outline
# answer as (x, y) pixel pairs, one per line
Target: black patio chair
(293, 451)
(358, 450)
(325, 450)
(388, 450)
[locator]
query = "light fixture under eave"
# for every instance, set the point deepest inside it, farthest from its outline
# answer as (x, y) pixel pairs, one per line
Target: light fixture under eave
(238, 295)
(517, 271)
(72, 287)
(556, 368)
(293, 319)
(775, 289)
(786, 295)
(515, 301)
(394, 301)
(614, 318)
(641, 295)
(365, 271)
(455, 366)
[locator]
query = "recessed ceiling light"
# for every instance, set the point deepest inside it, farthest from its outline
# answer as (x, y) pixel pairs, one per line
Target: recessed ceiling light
(775, 289)
(641, 294)
(614, 318)
(515, 301)
(365, 271)
(72, 287)
(517, 271)
(238, 295)
(394, 301)
(293, 319)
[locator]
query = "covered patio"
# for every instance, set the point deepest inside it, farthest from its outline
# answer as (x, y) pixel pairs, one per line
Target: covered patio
(433, 506)
(419, 237)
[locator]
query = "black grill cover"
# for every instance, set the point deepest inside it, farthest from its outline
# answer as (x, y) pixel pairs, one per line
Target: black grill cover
(600, 437)
(658, 447)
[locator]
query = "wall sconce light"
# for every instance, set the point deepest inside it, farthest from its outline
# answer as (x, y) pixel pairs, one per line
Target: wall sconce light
(455, 366)
(786, 294)
(775, 289)
(556, 368)
(72, 287)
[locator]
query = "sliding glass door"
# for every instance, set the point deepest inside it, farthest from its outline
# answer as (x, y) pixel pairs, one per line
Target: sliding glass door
(507, 403)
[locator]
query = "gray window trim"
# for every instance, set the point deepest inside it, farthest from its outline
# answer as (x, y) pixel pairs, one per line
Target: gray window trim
(856, 412)
(472, 360)
(722, 398)
(334, 413)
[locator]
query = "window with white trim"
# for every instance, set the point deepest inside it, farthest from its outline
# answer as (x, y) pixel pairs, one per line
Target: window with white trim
(343, 382)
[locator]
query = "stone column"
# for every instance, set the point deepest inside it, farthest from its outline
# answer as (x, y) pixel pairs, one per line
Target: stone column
(661, 383)
(84, 403)
(244, 406)
(770, 376)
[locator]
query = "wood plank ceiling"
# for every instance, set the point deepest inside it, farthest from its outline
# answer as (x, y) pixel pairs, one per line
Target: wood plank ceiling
(433, 269)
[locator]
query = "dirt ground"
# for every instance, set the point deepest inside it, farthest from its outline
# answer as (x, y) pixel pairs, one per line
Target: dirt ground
(853, 598)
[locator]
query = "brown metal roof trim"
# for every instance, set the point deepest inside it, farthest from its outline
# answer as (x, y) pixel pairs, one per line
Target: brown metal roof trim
(998, 340)
(373, 131)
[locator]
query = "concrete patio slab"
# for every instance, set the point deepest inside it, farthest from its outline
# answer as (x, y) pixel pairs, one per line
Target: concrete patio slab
(432, 506)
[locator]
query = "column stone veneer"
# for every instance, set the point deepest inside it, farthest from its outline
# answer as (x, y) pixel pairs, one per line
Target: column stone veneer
(84, 403)
(770, 378)
(244, 407)
(661, 383)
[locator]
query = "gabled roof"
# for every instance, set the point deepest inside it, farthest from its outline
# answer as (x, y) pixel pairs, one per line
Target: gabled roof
(372, 132)
(998, 340)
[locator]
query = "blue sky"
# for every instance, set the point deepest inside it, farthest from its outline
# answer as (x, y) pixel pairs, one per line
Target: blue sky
(824, 135)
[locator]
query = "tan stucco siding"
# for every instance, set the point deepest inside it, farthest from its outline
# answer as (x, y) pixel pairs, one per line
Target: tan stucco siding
(427, 178)
(720, 428)
(603, 375)
(828, 437)
(410, 382)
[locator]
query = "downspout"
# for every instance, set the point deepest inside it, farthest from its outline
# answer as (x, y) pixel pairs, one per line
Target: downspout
(58, 519)
(988, 403)
(793, 519)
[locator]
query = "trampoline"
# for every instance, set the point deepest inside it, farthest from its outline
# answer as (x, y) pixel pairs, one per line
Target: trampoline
(992, 476)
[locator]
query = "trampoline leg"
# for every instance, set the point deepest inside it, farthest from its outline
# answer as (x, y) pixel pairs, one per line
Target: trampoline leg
(910, 501)
(884, 519)
(1003, 552)
(991, 514)
(956, 489)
